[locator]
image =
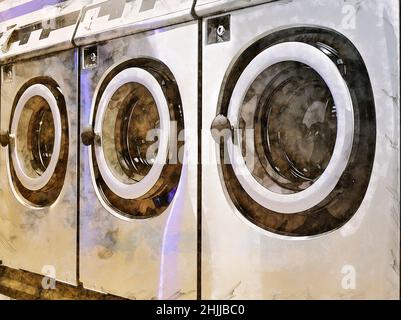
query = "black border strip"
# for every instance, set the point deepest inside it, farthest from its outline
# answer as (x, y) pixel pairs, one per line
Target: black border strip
(399, 119)
(199, 165)
(78, 147)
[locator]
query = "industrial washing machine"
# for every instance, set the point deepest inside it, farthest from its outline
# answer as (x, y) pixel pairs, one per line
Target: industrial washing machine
(300, 149)
(138, 185)
(39, 130)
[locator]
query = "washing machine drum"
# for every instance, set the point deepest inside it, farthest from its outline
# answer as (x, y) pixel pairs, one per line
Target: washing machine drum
(136, 124)
(38, 143)
(298, 122)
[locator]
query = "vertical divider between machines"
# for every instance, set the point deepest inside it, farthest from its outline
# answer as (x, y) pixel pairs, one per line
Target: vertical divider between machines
(78, 146)
(199, 159)
(199, 165)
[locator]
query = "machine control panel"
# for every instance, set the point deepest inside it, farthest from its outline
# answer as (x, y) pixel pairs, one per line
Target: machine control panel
(114, 18)
(210, 7)
(47, 27)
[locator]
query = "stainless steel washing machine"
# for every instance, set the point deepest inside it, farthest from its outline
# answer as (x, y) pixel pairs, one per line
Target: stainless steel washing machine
(138, 193)
(39, 127)
(300, 151)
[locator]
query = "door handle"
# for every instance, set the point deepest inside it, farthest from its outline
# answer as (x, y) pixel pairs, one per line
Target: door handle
(4, 138)
(89, 137)
(221, 128)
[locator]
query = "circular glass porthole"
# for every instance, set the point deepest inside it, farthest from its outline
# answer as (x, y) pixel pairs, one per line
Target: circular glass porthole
(295, 127)
(38, 147)
(136, 122)
(126, 126)
(300, 108)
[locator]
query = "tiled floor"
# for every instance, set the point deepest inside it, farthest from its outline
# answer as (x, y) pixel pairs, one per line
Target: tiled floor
(23, 285)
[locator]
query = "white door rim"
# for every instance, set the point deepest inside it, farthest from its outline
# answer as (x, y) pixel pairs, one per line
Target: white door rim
(138, 189)
(325, 184)
(41, 181)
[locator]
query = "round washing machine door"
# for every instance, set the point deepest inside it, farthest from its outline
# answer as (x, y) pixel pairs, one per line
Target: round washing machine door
(299, 133)
(136, 123)
(38, 142)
